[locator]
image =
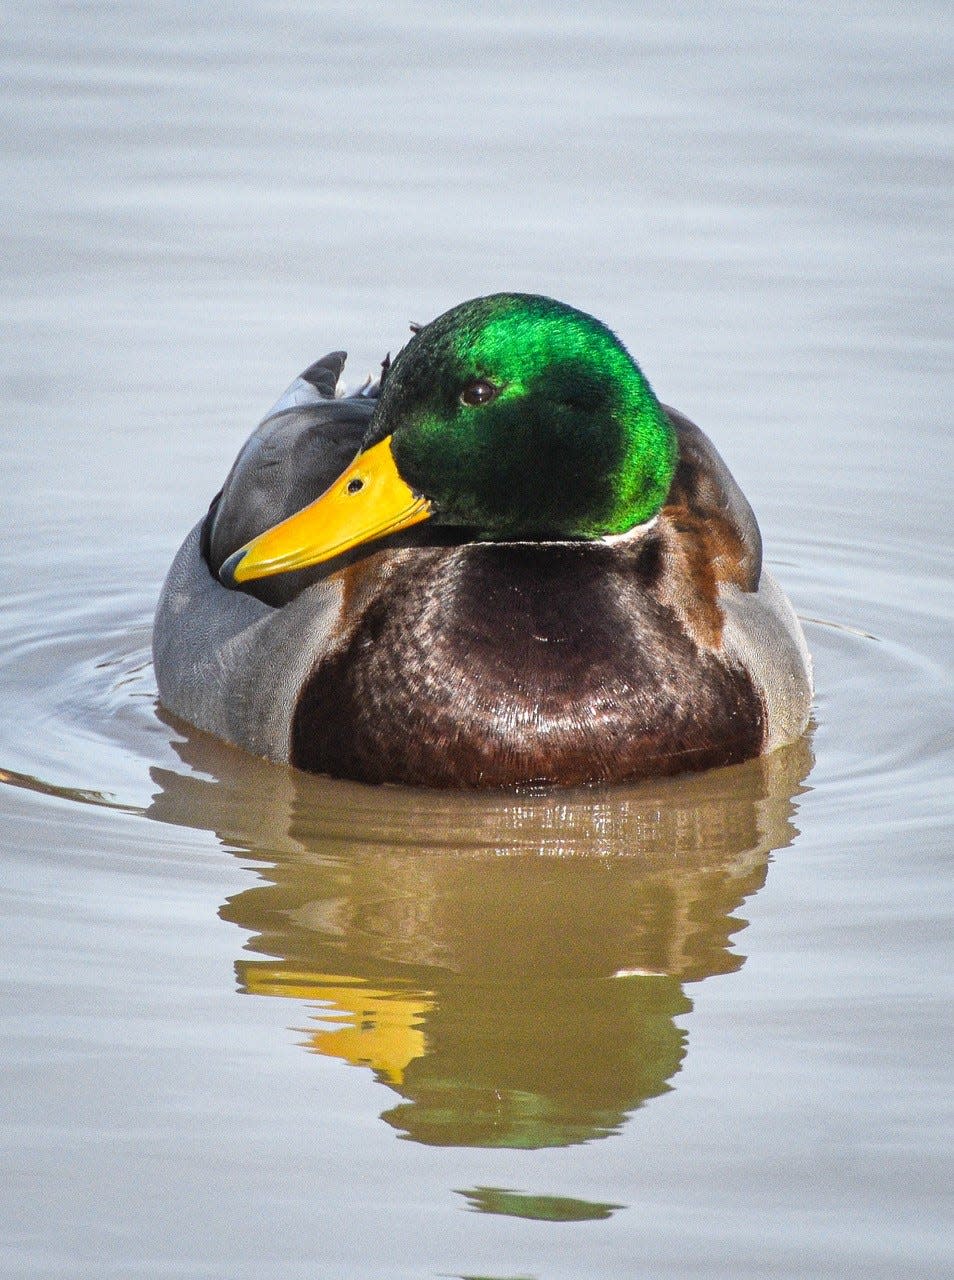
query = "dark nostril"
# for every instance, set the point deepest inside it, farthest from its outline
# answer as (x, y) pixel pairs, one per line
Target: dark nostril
(355, 485)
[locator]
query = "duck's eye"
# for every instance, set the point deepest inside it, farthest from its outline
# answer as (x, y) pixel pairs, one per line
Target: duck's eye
(479, 392)
(355, 485)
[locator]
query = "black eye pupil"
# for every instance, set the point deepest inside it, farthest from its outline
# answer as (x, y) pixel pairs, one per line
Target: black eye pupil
(478, 392)
(355, 485)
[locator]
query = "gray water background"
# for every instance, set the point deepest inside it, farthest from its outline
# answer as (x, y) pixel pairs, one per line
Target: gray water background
(196, 202)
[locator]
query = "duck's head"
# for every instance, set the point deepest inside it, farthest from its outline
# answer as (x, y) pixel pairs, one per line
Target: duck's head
(510, 418)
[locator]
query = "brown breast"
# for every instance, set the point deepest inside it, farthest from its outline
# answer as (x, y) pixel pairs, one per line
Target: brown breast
(500, 665)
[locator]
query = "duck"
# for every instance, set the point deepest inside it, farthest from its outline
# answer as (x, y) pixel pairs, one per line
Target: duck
(505, 564)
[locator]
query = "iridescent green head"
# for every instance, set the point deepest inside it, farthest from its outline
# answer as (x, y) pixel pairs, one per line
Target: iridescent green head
(516, 416)
(510, 418)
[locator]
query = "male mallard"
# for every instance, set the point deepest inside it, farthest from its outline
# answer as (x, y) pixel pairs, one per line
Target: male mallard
(532, 571)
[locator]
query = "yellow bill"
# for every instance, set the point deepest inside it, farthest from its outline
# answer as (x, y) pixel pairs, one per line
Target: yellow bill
(369, 500)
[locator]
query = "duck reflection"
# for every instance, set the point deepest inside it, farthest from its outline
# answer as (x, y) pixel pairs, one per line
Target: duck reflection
(512, 967)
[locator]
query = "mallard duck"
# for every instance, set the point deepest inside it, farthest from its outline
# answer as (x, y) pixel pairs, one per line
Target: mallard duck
(507, 563)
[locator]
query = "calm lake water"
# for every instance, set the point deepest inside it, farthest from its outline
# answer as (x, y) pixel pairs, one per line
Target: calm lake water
(262, 1024)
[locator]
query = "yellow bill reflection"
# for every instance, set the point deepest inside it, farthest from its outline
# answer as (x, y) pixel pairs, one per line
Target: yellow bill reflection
(376, 1028)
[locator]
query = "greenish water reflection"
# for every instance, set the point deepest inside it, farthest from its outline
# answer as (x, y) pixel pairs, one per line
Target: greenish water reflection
(511, 966)
(518, 1204)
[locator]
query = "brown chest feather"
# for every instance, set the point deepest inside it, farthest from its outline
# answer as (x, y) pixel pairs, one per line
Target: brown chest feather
(501, 665)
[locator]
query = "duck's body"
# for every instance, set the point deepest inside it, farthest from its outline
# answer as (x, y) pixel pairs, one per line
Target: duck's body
(448, 660)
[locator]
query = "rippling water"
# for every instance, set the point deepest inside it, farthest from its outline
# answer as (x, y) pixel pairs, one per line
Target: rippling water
(699, 1027)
